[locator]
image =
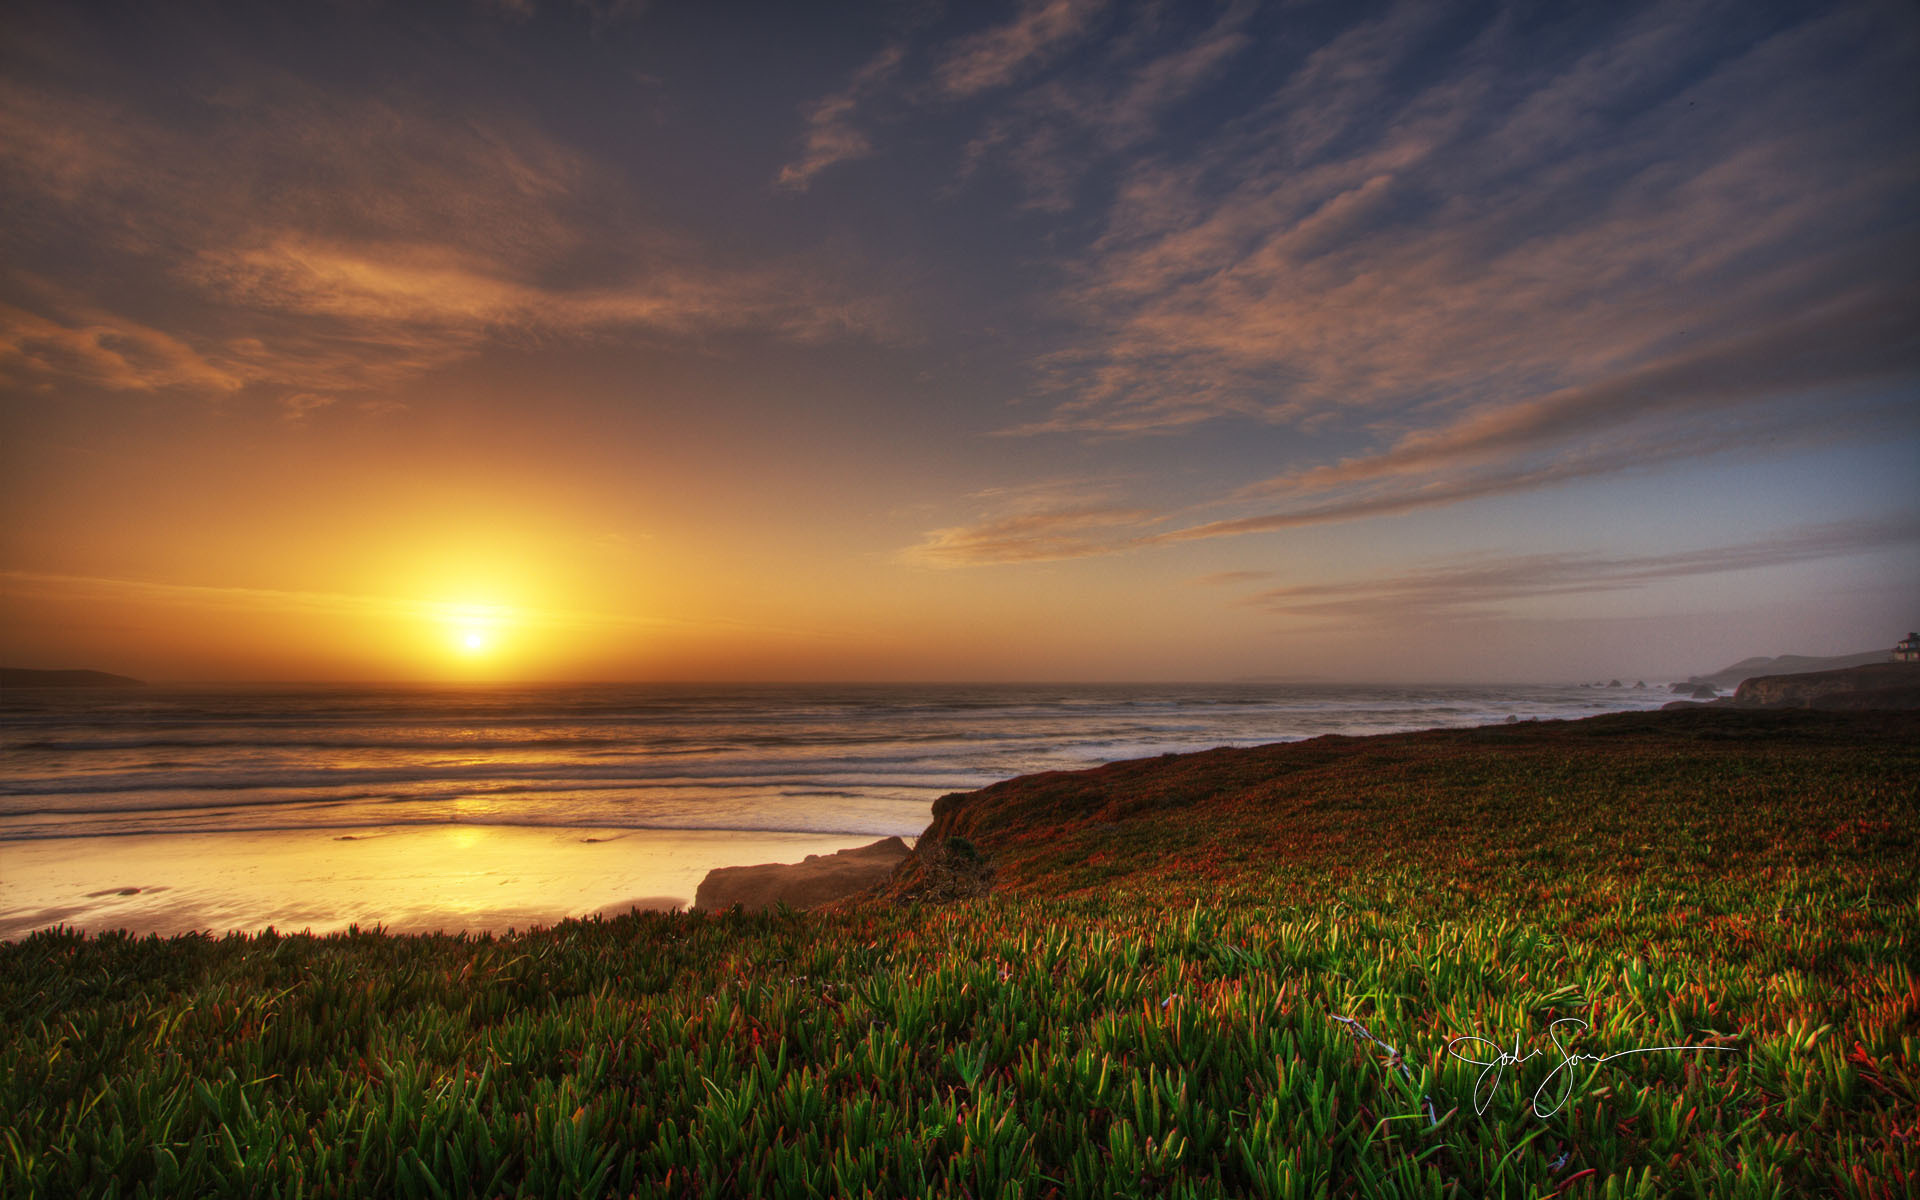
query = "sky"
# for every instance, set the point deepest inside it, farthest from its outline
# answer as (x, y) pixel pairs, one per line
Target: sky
(1046, 340)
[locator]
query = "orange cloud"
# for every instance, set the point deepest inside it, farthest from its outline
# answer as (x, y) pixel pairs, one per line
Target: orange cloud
(1032, 537)
(1477, 586)
(107, 351)
(333, 245)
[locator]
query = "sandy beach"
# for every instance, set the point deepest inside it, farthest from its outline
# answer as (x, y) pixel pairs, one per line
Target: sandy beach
(412, 880)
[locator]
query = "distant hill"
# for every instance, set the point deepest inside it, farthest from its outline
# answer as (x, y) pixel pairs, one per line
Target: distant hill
(1731, 677)
(22, 677)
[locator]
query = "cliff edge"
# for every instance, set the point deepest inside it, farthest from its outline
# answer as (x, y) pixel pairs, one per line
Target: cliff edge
(1879, 685)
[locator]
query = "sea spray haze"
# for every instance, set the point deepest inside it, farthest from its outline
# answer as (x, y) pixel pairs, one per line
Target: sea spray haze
(1165, 994)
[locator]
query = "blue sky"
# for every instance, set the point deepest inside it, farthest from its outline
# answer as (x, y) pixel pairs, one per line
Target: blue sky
(1058, 339)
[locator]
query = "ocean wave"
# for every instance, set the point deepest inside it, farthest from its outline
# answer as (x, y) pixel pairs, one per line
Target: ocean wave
(486, 778)
(194, 802)
(628, 744)
(877, 829)
(290, 757)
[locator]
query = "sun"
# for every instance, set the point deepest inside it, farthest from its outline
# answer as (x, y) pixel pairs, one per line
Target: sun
(473, 630)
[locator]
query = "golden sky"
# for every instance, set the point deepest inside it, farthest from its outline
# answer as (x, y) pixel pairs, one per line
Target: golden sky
(1058, 339)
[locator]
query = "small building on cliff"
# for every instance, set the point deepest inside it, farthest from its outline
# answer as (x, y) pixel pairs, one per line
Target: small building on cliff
(1908, 650)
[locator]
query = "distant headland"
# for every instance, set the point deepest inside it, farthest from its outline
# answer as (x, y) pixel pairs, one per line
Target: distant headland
(1728, 678)
(24, 677)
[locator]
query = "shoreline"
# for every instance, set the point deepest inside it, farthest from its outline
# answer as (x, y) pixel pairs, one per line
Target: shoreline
(508, 877)
(406, 879)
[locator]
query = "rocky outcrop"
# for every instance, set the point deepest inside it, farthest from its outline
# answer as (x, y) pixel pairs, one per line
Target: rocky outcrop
(818, 879)
(1880, 685)
(941, 870)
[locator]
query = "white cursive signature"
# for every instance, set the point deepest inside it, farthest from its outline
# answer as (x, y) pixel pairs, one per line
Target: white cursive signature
(1493, 1068)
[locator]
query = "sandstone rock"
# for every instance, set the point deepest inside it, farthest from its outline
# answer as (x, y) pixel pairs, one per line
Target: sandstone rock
(818, 879)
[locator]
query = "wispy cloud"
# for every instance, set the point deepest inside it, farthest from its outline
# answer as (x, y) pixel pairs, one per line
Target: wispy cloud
(1053, 134)
(433, 287)
(1364, 490)
(833, 131)
(1479, 586)
(1043, 521)
(1004, 58)
(297, 407)
(1680, 241)
(997, 56)
(1857, 340)
(107, 351)
(1229, 578)
(1033, 537)
(304, 241)
(1360, 249)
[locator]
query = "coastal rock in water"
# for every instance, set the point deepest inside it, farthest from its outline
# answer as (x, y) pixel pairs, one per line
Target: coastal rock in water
(814, 881)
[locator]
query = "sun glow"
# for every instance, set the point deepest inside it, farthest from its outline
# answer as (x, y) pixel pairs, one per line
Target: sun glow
(474, 629)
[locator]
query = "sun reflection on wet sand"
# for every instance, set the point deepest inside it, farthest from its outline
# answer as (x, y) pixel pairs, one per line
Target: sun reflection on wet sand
(476, 878)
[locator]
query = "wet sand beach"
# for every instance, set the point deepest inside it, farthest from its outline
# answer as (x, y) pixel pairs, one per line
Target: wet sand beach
(477, 879)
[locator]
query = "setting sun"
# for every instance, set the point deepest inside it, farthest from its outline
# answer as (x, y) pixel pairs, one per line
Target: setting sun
(571, 568)
(474, 629)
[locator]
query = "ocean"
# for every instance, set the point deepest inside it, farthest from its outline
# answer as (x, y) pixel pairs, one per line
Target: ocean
(246, 805)
(866, 760)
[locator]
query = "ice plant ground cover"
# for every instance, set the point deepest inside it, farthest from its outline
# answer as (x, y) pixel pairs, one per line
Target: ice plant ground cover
(1235, 973)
